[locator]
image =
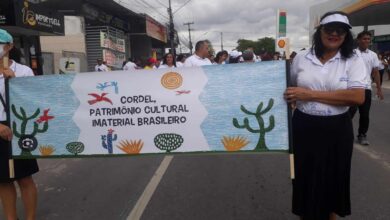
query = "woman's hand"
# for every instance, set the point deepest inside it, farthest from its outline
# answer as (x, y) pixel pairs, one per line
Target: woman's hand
(7, 73)
(5, 132)
(293, 94)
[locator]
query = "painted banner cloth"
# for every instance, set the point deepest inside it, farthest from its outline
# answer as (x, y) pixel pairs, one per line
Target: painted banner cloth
(219, 108)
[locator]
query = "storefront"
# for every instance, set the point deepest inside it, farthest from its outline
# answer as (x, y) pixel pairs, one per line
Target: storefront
(148, 36)
(26, 21)
(106, 25)
(382, 43)
(105, 36)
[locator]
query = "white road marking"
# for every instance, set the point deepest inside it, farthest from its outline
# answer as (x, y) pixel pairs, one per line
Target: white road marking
(143, 201)
(373, 154)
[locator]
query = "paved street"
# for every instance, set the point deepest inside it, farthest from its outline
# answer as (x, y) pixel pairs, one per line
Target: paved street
(202, 187)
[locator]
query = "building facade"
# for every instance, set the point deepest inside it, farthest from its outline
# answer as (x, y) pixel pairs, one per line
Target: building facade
(27, 21)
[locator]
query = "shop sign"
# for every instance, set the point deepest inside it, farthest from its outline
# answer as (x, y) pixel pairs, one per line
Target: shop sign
(3, 19)
(96, 14)
(382, 38)
(111, 42)
(6, 13)
(156, 30)
(34, 16)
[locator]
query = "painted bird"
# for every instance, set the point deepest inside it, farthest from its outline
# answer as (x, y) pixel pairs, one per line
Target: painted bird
(183, 92)
(45, 117)
(102, 86)
(99, 98)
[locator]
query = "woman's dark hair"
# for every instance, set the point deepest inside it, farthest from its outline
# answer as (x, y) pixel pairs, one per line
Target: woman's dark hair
(180, 57)
(364, 33)
(165, 59)
(234, 59)
(220, 54)
(15, 54)
(346, 49)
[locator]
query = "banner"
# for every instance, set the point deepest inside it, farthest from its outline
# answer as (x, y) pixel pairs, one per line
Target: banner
(111, 42)
(219, 108)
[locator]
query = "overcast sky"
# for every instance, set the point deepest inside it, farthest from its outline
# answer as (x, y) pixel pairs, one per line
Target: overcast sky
(237, 19)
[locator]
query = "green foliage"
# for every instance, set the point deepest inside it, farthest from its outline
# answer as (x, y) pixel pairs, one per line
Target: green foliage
(211, 48)
(75, 147)
(265, 44)
(262, 129)
(168, 142)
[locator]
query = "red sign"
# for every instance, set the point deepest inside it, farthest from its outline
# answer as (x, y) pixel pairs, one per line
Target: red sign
(156, 30)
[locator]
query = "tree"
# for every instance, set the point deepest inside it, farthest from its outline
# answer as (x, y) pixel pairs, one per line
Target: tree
(262, 45)
(211, 48)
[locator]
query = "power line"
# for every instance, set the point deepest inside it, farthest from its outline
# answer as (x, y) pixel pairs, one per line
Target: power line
(162, 4)
(144, 7)
(189, 33)
(181, 6)
(150, 6)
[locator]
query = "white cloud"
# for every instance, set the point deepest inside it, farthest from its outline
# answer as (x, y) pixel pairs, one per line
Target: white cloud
(249, 19)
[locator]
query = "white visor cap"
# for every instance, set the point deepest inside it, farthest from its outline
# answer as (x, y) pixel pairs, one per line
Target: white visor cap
(336, 18)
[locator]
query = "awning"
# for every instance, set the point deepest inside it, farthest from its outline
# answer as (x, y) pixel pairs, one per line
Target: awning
(369, 12)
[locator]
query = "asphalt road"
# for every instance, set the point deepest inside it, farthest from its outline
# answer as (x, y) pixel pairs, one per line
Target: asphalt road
(203, 187)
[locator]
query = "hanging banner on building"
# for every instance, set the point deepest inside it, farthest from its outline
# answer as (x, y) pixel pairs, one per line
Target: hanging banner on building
(156, 30)
(111, 42)
(225, 108)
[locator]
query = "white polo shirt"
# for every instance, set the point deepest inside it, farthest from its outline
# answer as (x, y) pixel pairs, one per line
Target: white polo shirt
(165, 66)
(130, 66)
(179, 64)
(20, 71)
(101, 68)
(307, 71)
(371, 61)
(195, 60)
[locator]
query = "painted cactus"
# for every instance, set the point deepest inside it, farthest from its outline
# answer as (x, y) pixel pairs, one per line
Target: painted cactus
(108, 139)
(168, 142)
(261, 145)
(28, 142)
(75, 147)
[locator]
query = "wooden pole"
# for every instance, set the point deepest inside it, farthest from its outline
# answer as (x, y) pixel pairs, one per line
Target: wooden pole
(290, 108)
(10, 161)
(287, 49)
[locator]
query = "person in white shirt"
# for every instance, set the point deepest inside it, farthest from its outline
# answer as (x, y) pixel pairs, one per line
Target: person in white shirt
(24, 169)
(130, 65)
(200, 58)
(326, 80)
(100, 67)
(180, 60)
(168, 62)
(221, 57)
(383, 64)
(371, 65)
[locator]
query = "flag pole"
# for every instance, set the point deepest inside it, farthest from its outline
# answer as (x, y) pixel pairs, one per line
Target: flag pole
(289, 110)
(10, 160)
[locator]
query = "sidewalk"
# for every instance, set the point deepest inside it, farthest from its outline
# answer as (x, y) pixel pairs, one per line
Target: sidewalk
(386, 83)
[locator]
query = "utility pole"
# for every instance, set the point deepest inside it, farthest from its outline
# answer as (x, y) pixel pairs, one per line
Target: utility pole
(171, 30)
(221, 41)
(189, 33)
